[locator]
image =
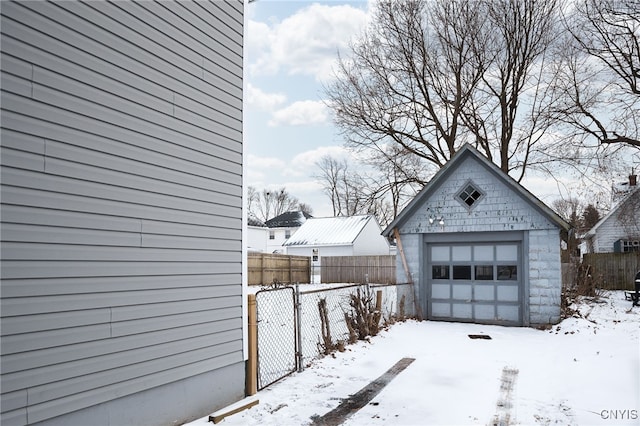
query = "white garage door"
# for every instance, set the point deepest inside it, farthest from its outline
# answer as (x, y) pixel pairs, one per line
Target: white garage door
(475, 282)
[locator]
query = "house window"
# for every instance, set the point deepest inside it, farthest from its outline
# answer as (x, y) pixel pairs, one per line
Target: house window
(469, 194)
(287, 233)
(272, 235)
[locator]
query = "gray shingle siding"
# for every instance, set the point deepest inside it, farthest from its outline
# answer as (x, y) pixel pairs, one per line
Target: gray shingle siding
(121, 191)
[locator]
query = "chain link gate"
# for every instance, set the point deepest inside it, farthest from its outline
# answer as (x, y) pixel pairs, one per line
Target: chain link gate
(276, 334)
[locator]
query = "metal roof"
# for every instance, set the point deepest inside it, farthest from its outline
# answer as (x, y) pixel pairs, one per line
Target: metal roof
(340, 230)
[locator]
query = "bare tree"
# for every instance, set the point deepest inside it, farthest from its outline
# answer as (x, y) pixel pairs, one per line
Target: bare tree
(429, 76)
(599, 88)
(268, 204)
(628, 215)
(346, 188)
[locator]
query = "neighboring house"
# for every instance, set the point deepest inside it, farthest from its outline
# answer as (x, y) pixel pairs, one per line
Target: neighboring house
(480, 248)
(257, 235)
(338, 236)
(282, 227)
(619, 230)
(121, 146)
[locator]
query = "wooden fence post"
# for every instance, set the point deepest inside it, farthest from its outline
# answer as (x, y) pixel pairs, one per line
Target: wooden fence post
(252, 362)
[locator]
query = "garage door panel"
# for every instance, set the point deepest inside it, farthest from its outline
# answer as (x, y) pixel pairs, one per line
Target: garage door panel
(484, 293)
(441, 291)
(485, 312)
(462, 292)
(462, 310)
(441, 309)
(508, 313)
(508, 293)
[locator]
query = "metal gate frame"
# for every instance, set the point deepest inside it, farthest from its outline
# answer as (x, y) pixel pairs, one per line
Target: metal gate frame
(277, 334)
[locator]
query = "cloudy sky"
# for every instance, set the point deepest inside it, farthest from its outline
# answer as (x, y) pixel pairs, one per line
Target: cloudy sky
(291, 49)
(290, 52)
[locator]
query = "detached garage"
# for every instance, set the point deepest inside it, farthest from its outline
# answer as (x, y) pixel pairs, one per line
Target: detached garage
(480, 248)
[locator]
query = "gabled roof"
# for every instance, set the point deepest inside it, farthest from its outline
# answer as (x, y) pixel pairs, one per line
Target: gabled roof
(288, 220)
(634, 193)
(464, 152)
(254, 221)
(333, 231)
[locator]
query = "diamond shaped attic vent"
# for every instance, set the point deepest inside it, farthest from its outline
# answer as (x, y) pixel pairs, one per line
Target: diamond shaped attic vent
(469, 195)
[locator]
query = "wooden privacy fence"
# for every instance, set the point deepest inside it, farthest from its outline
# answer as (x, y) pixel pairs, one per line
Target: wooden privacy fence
(616, 271)
(358, 269)
(264, 268)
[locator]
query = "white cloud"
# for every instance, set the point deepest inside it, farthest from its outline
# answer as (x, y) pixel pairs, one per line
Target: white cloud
(304, 164)
(304, 43)
(259, 170)
(262, 100)
(301, 113)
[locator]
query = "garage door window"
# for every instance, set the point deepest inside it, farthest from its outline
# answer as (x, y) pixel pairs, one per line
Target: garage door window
(507, 272)
(440, 272)
(461, 272)
(484, 272)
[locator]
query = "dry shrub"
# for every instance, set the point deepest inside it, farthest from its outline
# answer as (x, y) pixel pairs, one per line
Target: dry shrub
(363, 319)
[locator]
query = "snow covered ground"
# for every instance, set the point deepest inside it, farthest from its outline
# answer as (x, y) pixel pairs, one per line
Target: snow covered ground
(583, 371)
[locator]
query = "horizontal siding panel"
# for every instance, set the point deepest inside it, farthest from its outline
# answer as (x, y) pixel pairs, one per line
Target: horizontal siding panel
(60, 389)
(174, 43)
(17, 85)
(111, 347)
(66, 370)
(124, 168)
(150, 310)
(171, 129)
(158, 136)
(75, 402)
(146, 325)
(206, 35)
(67, 202)
(166, 118)
(95, 285)
(20, 141)
(21, 160)
(111, 48)
(220, 9)
(67, 219)
(184, 230)
(146, 151)
(16, 66)
(86, 68)
(63, 269)
(212, 25)
(16, 417)
(131, 196)
(189, 243)
(13, 400)
(66, 336)
(67, 59)
(25, 233)
(111, 299)
(220, 193)
(42, 252)
(58, 320)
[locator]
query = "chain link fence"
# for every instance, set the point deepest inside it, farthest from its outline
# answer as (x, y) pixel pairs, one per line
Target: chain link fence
(275, 309)
(290, 338)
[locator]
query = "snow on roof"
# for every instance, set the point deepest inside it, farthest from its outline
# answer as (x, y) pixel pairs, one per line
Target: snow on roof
(341, 230)
(288, 220)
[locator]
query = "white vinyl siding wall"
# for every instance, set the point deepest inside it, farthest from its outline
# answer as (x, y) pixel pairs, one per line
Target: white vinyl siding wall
(121, 150)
